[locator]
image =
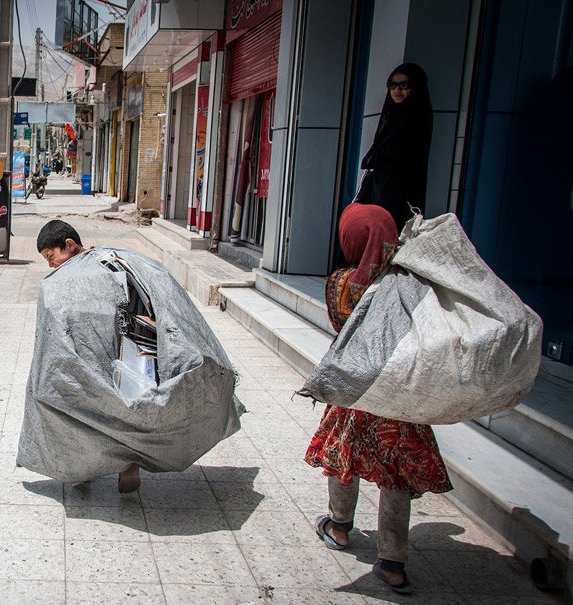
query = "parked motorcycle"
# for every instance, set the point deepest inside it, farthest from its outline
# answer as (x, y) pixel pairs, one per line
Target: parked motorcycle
(37, 185)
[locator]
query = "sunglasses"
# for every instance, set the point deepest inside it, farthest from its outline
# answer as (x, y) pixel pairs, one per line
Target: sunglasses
(405, 85)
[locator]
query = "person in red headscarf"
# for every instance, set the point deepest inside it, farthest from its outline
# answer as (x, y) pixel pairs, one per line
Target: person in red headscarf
(400, 457)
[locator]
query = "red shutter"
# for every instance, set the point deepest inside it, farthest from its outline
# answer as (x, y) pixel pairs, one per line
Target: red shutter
(184, 72)
(255, 58)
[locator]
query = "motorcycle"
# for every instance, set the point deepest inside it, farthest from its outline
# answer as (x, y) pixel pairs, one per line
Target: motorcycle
(37, 185)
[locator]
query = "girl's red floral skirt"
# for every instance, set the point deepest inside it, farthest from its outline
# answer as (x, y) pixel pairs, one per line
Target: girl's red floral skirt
(390, 453)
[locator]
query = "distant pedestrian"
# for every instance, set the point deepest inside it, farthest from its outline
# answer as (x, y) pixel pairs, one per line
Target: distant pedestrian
(397, 161)
(400, 457)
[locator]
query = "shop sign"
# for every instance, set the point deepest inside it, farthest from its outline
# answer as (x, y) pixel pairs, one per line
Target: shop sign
(4, 201)
(21, 118)
(134, 102)
(115, 90)
(245, 14)
(19, 174)
(201, 141)
(141, 24)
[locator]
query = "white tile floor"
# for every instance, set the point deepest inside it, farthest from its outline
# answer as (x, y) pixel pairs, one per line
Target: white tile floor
(234, 529)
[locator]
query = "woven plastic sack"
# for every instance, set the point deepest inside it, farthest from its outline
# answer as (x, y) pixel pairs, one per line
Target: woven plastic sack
(437, 340)
(77, 424)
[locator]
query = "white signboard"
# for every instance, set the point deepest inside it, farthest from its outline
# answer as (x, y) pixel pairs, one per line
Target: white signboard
(141, 24)
(49, 113)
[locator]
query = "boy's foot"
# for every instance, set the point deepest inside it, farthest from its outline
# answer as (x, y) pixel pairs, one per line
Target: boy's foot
(128, 480)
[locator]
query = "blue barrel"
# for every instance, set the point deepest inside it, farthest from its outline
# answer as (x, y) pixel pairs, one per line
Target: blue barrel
(86, 184)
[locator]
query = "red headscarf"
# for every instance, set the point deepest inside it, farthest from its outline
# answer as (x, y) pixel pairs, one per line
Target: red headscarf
(367, 234)
(368, 237)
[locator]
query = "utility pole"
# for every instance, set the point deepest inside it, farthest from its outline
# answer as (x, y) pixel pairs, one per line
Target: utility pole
(34, 146)
(6, 140)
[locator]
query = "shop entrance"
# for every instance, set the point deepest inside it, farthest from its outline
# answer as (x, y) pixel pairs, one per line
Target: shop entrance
(517, 181)
(249, 160)
(181, 152)
(133, 154)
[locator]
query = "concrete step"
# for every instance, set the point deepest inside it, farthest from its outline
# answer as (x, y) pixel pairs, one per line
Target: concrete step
(180, 234)
(296, 340)
(300, 294)
(158, 242)
(527, 504)
(243, 255)
(542, 425)
(200, 272)
(523, 501)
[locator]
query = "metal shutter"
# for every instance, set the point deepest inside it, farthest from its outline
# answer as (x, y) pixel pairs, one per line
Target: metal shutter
(255, 58)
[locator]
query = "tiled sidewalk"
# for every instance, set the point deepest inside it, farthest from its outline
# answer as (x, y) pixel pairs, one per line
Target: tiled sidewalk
(236, 528)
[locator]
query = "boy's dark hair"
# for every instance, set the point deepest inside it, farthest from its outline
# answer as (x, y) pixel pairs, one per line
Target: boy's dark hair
(54, 235)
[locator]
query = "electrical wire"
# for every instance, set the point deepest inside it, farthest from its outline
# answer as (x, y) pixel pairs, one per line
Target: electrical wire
(111, 5)
(62, 54)
(21, 48)
(64, 70)
(46, 68)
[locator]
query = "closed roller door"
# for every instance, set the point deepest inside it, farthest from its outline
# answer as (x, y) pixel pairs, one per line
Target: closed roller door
(255, 58)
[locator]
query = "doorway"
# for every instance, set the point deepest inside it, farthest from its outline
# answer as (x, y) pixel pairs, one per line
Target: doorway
(133, 155)
(181, 140)
(517, 182)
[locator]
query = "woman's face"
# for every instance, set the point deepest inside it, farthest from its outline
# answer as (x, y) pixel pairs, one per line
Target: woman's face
(399, 88)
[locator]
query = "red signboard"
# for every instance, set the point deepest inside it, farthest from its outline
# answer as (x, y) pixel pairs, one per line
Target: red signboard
(245, 14)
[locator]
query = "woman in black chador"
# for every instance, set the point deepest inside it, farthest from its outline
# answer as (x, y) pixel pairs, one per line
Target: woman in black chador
(397, 162)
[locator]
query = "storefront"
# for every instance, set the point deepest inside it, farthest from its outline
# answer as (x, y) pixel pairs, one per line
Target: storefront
(253, 41)
(182, 45)
(115, 103)
(178, 203)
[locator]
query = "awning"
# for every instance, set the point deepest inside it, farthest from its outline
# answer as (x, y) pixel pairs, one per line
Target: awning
(157, 34)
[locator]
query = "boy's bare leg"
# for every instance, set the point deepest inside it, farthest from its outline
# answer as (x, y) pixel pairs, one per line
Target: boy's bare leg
(128, 480)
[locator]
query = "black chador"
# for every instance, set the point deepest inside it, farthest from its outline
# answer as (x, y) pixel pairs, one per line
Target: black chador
(397, 162)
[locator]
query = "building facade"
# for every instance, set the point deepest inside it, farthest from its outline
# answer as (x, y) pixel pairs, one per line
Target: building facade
(271, 105)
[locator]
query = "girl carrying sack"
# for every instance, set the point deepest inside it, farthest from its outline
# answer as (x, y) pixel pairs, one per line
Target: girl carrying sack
(437, 339)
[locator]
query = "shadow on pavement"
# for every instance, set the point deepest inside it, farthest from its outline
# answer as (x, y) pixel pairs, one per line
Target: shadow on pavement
(174, 504)
(443, 570)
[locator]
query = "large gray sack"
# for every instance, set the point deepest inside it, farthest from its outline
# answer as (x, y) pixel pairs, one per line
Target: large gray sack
(438, 339)
(77, 426)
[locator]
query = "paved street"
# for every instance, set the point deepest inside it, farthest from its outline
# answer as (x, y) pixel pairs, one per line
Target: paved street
(63, 195)
(237, 527)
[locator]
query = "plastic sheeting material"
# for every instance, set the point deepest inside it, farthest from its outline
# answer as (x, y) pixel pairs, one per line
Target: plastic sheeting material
(438, 339)
(76, 425)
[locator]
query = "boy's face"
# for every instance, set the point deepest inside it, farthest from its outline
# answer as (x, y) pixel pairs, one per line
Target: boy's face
(58, 256)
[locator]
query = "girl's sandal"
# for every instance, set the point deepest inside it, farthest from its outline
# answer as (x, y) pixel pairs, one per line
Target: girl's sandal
(403, 588)
(329, 540)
